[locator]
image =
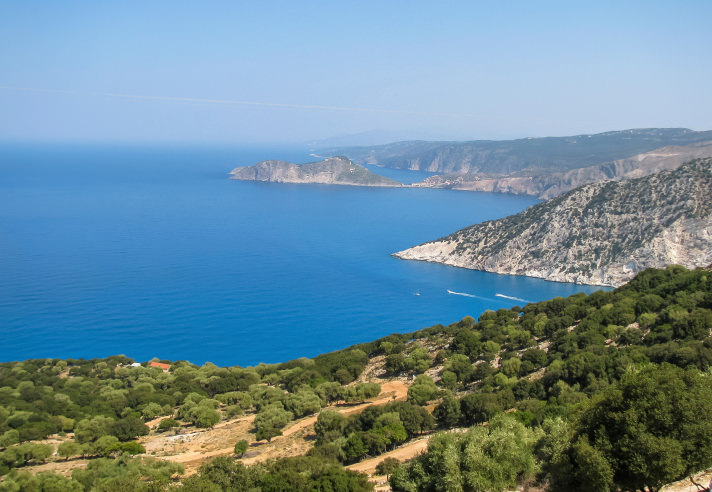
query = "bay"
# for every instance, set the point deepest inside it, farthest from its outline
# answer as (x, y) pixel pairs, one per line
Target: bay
(151, 251)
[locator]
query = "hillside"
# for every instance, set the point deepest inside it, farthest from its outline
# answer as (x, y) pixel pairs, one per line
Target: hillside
(549, 185)
(564, 394)
(533, 155)
(335, 170)
(600, 234)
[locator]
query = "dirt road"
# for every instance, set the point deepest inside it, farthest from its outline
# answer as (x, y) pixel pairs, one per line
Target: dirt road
(194, 448)
(403, 453)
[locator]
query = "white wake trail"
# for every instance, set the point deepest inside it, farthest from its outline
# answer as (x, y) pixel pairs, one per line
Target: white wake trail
(464, 294)
(512, 298)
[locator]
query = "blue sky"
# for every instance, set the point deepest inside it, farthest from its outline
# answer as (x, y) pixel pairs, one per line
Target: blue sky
(311, 70)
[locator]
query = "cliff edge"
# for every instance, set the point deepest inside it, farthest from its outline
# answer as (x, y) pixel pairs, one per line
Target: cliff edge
(600, 234)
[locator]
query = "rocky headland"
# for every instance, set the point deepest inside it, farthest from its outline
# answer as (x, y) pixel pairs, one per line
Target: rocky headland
(600, 234)
(334, 170)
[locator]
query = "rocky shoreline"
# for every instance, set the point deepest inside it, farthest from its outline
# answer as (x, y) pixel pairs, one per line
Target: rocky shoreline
(600, 234)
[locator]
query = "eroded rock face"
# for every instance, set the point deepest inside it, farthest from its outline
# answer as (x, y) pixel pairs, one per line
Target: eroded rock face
(550, 185)
(335, 170)
(600, 234)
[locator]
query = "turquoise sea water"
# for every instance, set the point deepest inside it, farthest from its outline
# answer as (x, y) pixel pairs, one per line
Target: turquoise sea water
(151, 251)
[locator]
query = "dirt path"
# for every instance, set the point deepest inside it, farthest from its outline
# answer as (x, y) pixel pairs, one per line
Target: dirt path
(403, 453)
(687, 486)
(194, 448)
(62, 467)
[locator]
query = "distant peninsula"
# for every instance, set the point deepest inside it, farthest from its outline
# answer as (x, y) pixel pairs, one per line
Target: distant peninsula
(600, 234)
(525, 156)
(549, 185)
(334, 171)
(540, 167)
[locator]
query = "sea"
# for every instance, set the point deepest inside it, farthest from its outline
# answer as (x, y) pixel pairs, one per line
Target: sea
(151, 251)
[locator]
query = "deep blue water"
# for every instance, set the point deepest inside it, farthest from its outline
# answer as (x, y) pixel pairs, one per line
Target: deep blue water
(152, 251)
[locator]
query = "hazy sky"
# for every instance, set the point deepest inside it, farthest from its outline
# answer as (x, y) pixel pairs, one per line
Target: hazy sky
(295, 71)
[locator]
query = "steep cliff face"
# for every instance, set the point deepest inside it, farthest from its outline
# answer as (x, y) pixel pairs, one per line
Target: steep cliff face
(335, 170)
(549, 185)
(600, 234)
(534, 155)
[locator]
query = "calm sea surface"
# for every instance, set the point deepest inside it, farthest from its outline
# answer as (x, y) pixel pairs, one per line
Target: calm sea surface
(152, 251)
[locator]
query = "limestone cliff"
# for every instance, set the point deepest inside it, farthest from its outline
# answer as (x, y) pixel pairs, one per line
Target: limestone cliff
(335, 170)
(549, 185)
(601, 234)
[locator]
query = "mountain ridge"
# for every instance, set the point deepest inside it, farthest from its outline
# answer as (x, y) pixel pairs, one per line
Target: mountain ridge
(547, 186)
(503, 157)
(600, 234)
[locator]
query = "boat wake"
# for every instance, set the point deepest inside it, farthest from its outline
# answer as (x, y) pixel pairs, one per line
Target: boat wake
(501, 296)
(464, 294)
(512, 298)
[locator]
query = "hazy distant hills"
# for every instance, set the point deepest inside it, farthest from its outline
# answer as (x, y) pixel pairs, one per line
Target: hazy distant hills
(549, 185)
(602, 234)
(335, 170)
(527, 156)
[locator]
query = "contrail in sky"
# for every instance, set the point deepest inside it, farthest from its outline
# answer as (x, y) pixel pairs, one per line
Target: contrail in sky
(232, 102)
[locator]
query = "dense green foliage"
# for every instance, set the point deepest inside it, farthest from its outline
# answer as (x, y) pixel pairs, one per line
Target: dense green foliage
(103, 474)
(369, 433)
(304, 473)
(482, 460)
(651, 428)
(617, 382)
(106, 402)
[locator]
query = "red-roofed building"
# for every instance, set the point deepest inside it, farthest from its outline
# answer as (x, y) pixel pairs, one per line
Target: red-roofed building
(160, 365)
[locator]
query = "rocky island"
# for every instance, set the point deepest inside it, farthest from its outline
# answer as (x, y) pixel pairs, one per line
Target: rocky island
(600, 234)
(334, 170)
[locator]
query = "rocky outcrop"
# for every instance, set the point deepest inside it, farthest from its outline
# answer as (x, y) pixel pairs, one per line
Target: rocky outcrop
(335, 170)
(549, 185)
(600, 234)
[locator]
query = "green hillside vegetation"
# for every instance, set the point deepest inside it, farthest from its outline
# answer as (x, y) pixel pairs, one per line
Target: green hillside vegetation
(106, 402)
(610, 391)
(623, 401)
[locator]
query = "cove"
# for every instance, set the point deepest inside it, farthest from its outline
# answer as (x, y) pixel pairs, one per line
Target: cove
(151, 251)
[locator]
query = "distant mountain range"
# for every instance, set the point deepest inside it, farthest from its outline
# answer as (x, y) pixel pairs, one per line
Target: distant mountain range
(522, 157)
(601, 234)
